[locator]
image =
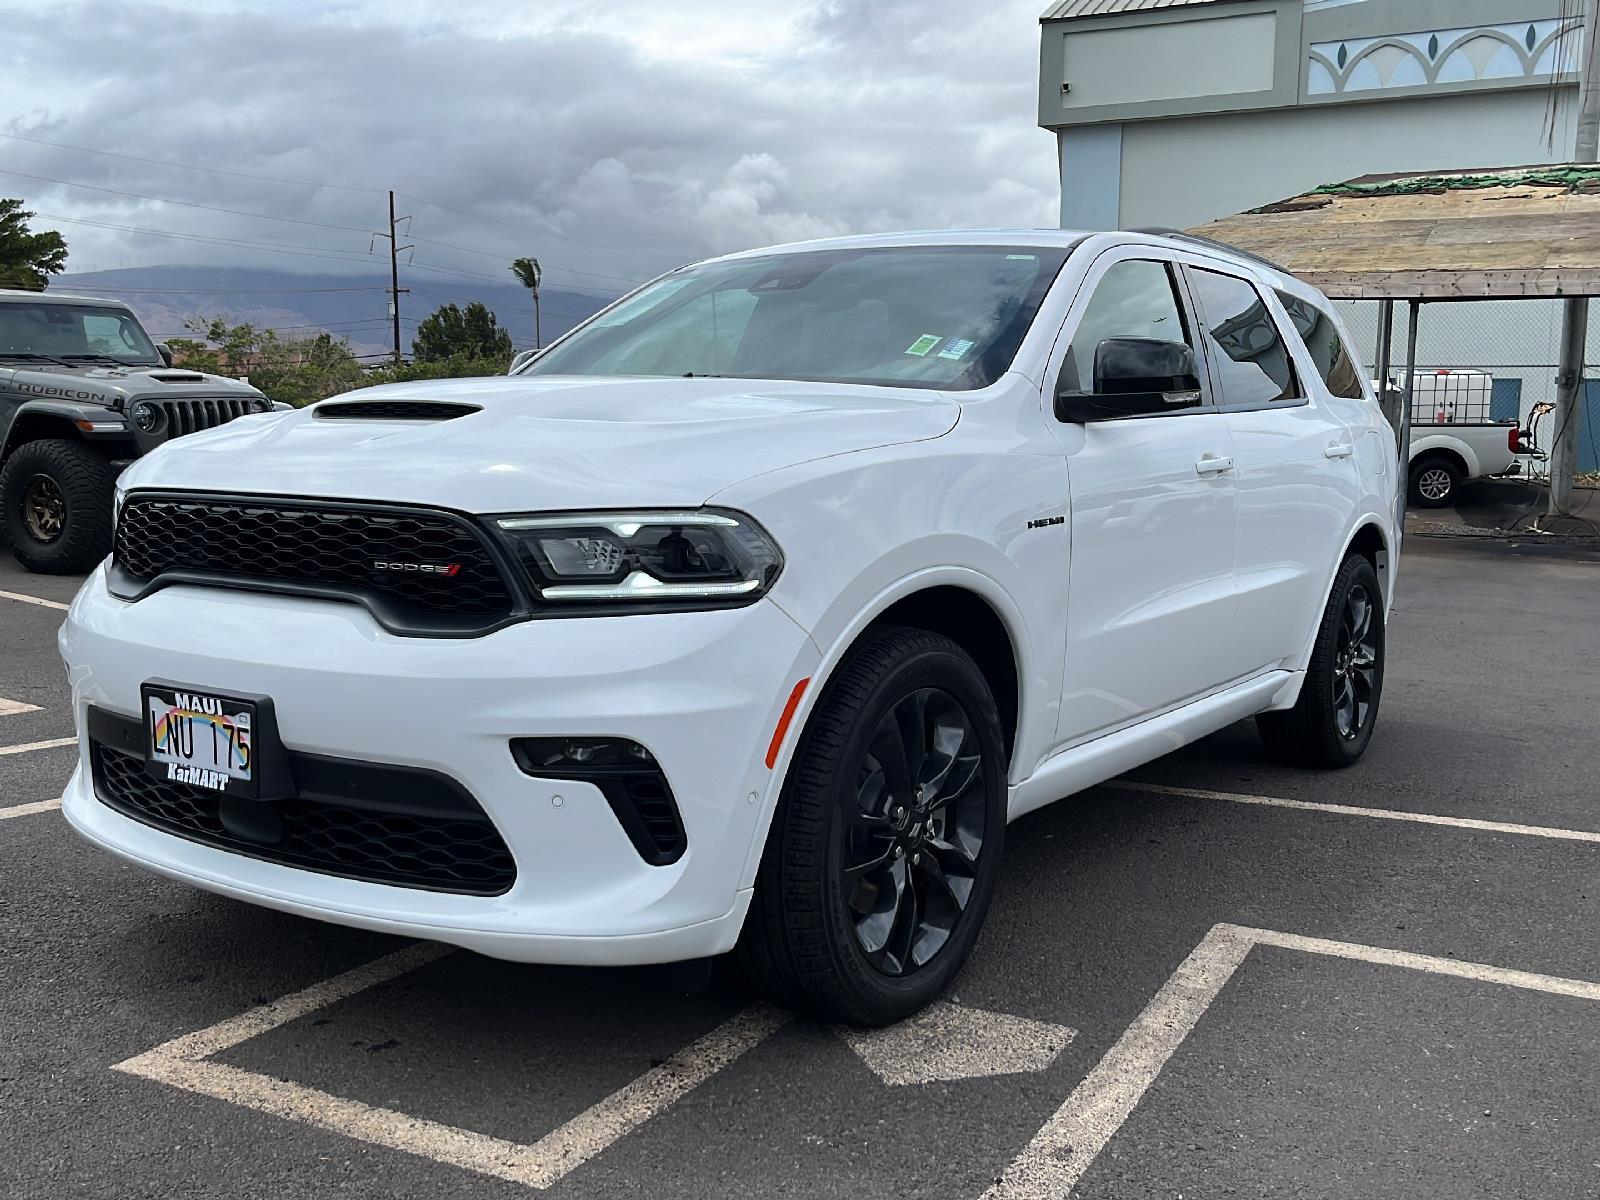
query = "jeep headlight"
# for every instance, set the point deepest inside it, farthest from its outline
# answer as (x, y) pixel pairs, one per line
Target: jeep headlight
(645, 560)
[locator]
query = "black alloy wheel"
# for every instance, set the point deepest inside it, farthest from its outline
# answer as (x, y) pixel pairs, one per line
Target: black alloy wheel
(913, 838)
(1333, 718)
(1355, 663)
(881, 861)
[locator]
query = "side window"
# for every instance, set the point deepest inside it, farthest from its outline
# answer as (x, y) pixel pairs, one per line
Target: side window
(1335, 363)
(1251, 360)
(1134, 298)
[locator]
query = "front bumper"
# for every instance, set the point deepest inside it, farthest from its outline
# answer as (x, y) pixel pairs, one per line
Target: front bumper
(702, 691)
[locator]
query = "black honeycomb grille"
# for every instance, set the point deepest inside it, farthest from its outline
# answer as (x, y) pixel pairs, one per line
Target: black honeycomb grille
(450, 852)
(418, 571)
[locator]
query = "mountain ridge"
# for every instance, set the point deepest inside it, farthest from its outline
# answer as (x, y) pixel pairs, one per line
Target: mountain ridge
(356, 307)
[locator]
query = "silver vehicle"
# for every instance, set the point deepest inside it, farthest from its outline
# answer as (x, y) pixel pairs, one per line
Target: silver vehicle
(84, 391)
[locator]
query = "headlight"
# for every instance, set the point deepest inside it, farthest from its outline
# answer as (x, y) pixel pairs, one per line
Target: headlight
(704, 558)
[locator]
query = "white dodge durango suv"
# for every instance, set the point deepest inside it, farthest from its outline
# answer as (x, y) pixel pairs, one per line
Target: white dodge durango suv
(748, 614)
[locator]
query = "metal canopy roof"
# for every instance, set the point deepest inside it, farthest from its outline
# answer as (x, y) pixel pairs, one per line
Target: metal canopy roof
(1509, 232)
(1067, 10)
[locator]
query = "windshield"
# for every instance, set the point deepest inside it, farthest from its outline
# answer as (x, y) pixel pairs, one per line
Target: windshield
(945, 317)
(73, 333)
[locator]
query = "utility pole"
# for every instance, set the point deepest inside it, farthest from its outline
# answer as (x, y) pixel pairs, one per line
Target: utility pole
(1568, 413)
(395, 290)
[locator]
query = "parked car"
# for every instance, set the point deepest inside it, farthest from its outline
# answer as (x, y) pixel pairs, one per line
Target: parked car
(84, 391)
(751, 611)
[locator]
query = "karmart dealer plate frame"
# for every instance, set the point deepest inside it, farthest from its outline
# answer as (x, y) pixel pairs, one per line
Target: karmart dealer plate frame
(230, 726)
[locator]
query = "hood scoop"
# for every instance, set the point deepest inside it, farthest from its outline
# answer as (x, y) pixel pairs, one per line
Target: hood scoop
(177, 376)
(392, 410)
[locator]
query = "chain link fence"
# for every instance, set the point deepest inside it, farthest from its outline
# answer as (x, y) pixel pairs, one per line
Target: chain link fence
(1516, 342)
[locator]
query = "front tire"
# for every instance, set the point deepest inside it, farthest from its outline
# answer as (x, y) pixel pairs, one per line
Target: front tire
(1332, 722)
(55, 500)
(883, 854)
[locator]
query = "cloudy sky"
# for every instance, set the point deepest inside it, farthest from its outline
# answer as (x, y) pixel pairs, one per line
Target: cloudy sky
(615, 138)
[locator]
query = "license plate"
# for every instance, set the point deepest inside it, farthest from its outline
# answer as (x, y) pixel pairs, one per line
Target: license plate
(201, 739)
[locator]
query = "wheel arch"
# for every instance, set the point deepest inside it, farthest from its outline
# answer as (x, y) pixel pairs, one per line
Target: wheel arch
(32, 425)
(1455, 455)
(937, 599)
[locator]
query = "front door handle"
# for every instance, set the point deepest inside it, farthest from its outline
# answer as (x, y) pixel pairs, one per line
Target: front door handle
(1212, 464)
(1338, 450)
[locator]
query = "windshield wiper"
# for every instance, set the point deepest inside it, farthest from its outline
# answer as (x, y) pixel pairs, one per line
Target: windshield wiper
(702, 375)
(30, 356)
(106, 358)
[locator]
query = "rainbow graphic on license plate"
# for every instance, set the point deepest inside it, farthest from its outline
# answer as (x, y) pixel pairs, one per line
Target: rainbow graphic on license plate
(202, 740)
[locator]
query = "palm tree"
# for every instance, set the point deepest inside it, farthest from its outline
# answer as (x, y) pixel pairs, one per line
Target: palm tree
(528, 273)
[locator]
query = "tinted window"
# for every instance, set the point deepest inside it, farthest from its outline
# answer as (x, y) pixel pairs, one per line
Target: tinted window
(947, 317)
(1335, 363)
(72, 331)
(1251, 360)
(1133, 299)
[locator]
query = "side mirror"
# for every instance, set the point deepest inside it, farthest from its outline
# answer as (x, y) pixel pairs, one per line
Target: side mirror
(522, 359)
(1134, 377)
(165, 351)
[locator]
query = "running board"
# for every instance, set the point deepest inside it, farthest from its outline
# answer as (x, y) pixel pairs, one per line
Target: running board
(1105, 757)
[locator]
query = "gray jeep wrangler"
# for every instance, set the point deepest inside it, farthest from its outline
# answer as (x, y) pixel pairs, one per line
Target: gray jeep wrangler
(83, 391)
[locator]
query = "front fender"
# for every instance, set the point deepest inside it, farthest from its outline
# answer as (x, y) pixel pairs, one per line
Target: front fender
(112, 425)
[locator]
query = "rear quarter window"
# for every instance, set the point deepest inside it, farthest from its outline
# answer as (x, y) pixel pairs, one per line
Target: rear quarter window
(1339, 369)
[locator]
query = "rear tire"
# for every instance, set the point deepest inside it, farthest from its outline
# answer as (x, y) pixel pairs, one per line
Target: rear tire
(55, 501)
(1332, 721)
(1434, 482)
(882, 857)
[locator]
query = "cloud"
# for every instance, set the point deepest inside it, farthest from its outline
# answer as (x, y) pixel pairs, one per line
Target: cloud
(619, 139)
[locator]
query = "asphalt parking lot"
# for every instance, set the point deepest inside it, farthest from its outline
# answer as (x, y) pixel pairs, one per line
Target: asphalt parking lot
(1215, 977)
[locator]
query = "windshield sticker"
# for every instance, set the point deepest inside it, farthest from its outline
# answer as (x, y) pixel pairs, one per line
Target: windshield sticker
(1022, 258)
(956, 348)
(923, 344)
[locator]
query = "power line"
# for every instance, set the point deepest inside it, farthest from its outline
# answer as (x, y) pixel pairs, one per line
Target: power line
(103, 287)
(236, 212)
(157, 162)
(327, 252)
(542, 233)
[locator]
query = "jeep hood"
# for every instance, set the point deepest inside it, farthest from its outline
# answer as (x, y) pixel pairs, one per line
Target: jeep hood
(115, 387)
(547, 442)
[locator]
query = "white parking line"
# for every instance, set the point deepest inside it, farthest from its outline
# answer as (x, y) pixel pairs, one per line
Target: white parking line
(39, 600)
(28, 747)
(1051, 1165)
(1350, 810)
(184, 1063)
(27, 810)
(10, 708)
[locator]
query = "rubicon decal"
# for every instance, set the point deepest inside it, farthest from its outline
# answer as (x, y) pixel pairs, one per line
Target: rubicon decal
(419, 568)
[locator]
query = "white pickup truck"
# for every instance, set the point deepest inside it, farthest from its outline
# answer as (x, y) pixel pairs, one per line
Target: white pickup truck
(1453, 437)
(1443, 455)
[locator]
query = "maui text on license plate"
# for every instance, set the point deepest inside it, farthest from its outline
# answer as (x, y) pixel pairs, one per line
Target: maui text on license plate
(201, 739)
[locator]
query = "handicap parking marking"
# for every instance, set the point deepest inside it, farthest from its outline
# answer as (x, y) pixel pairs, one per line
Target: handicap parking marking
(946, 1042)
(1351, 810)
(30, 747)
(186, 1062)
(1051, 1165)
(39, 600)
(12, 708)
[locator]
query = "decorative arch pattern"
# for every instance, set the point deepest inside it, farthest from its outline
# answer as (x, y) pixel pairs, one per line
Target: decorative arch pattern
(1512, 51)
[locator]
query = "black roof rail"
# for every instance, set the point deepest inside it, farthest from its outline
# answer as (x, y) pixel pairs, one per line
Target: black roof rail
(1209, 243)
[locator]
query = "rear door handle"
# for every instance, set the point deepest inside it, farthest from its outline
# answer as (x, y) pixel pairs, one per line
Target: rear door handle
(1212, 464)
(1338, 450)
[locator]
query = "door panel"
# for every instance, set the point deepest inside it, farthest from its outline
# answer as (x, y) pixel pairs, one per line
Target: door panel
(1295, 463)
(1150, 608)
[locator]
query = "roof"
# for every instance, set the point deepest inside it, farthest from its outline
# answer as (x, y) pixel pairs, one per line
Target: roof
(1070, 10)
(922, 237)
(1507, 232)
(18, 296)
